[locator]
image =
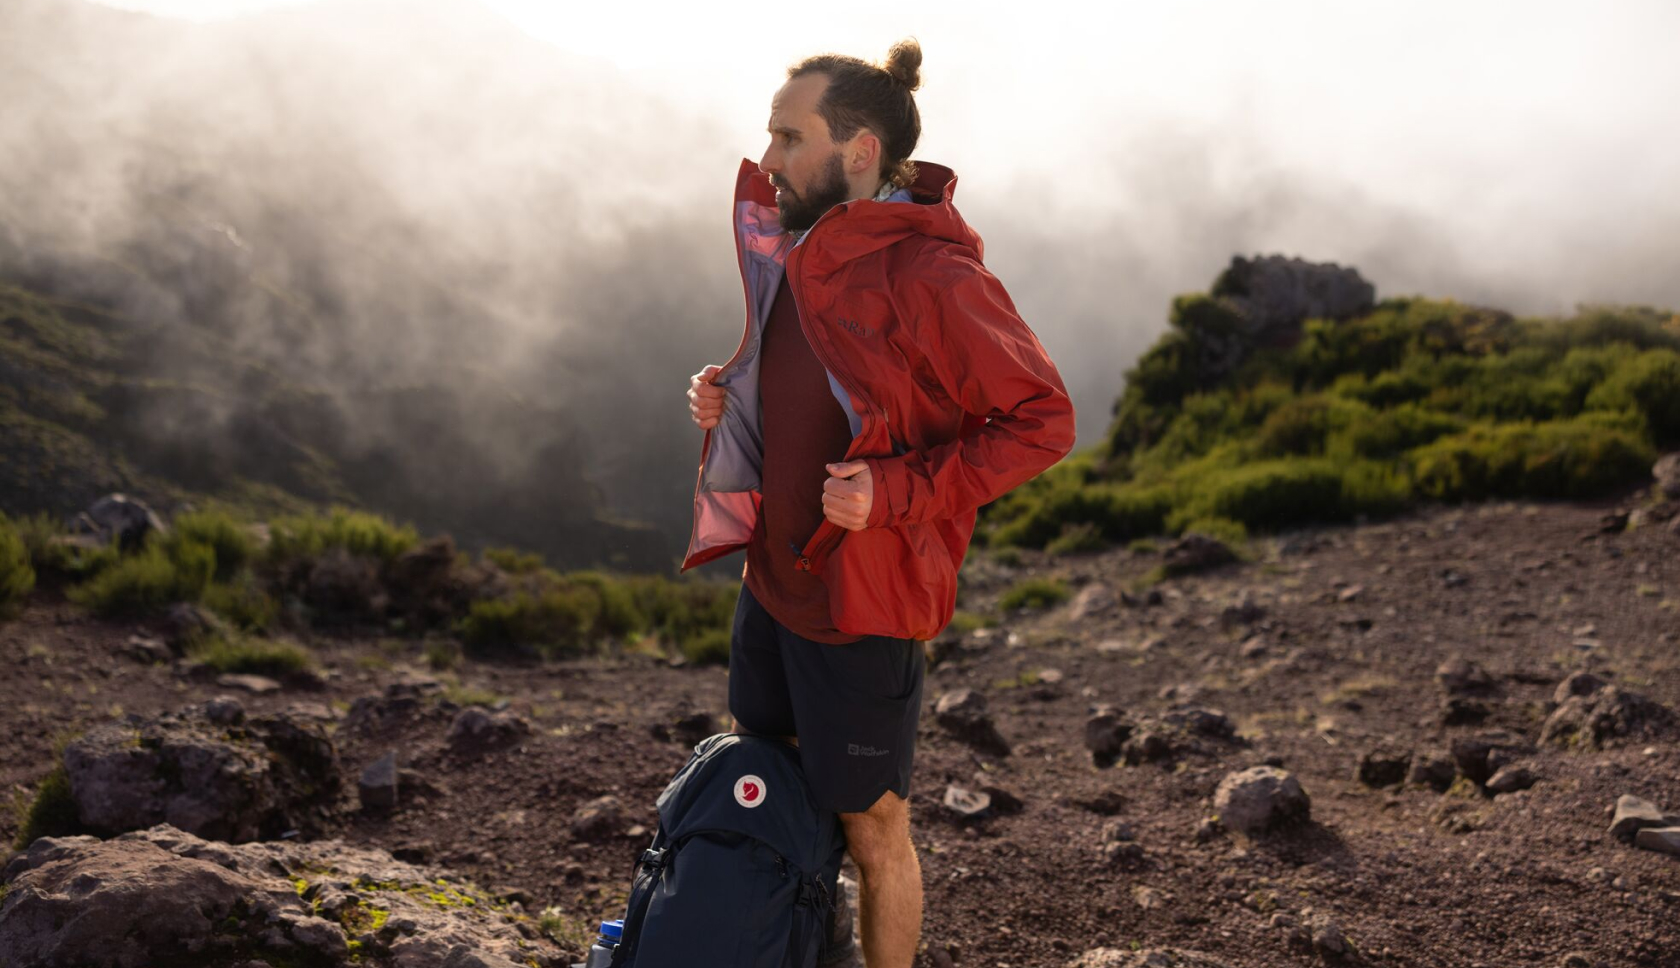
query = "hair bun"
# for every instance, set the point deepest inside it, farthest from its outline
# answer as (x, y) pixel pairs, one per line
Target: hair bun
(904, 63)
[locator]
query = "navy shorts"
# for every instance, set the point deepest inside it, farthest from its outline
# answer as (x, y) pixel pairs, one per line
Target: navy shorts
(854, 707)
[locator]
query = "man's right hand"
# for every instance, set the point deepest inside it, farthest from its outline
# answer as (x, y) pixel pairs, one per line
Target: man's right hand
(705, 402)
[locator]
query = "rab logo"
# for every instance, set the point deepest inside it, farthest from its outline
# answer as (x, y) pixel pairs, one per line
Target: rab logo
(749, 791)
(854, 327)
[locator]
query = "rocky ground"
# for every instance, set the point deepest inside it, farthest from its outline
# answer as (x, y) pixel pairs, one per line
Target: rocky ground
(1416, 680)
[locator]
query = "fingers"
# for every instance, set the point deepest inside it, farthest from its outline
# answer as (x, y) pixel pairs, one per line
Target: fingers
(847, 515)
(705, 401)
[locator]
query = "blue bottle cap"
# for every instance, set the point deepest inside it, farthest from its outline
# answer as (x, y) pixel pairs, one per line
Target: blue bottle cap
(613, 930)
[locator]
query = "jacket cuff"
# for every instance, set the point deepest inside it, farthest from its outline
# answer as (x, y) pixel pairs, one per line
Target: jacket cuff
(879, 500)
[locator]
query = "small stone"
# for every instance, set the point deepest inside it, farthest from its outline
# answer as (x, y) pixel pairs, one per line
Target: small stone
(1095, 599)
(1383, 766)
(1661, 839)
(224, 711)
(598, 819)
(1328, 938)
(965, 803)
(261, 685)
(378, 785)
(1633, 814)
(1260, 798)
(1579, 684)
(1350, 593)
(1459, 676)
(1510, 779)
(963, 714)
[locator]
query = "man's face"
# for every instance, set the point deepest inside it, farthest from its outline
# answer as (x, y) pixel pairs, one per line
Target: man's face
(803, 162)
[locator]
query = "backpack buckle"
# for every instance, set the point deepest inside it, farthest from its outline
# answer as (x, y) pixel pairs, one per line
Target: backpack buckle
(653, 858)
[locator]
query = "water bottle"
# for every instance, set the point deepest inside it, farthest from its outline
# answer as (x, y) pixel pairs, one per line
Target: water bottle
(601, 952)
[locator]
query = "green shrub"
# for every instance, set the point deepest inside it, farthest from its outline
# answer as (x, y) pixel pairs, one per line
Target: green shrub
(963, 622)
(710, 647)
(52, 812)
(1649, 384)
(1298, 427)
(554, 621)
(1230, 532)
(242, 601)
(680, 610)
(513, 561)
(17, 575)
(247, 654)
(50, 555)
(1559, 459)
(297, 536)
(1077, 538)
(1267, 495)
(619, 617)
(234, 546)
(441, 653)
(1120, 513)
(1386, 434)
(159, 574)
(1034, 593)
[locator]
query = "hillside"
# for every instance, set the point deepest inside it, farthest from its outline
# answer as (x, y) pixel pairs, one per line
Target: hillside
(1332, 644)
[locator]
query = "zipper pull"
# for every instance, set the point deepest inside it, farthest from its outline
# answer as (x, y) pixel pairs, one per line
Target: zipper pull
(803, 564)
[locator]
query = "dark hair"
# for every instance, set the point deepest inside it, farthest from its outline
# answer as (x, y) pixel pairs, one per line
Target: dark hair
(877, 97)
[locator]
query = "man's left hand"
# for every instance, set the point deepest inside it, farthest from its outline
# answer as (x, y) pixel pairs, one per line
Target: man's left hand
(848, 494)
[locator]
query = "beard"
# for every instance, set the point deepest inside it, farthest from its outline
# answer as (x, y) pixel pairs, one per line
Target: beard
(798, 212)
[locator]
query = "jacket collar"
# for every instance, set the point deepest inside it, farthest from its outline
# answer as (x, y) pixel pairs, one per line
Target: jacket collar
(861, 226)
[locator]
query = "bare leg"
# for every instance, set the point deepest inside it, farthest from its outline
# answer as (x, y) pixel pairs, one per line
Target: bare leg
(889, 882)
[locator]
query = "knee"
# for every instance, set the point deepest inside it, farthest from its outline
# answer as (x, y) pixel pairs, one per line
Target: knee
(879, 836)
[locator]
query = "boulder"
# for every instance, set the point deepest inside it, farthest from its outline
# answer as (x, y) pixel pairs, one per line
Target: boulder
(161, 896)
(118, 519)
(212, 777)
(1509, 779)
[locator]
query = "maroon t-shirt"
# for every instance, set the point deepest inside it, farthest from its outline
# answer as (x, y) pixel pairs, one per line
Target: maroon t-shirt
(804, 431)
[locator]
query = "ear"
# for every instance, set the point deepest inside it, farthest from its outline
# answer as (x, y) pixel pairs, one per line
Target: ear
(865, 153)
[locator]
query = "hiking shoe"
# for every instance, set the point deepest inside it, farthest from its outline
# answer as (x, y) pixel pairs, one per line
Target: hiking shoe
(839, 944)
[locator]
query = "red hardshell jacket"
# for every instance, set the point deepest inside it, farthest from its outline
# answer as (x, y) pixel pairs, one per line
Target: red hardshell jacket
(951, 398)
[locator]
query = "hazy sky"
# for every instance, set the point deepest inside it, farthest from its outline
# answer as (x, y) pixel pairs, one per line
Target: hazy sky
(1519, 154)
(1548, 123)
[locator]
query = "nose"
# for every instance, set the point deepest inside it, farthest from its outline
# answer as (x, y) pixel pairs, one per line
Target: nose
(771, 162)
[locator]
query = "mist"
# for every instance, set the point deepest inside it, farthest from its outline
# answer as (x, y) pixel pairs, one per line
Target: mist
(429, 201)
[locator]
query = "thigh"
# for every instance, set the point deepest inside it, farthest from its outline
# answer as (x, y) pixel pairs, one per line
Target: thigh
(857, 707)
(758, 690)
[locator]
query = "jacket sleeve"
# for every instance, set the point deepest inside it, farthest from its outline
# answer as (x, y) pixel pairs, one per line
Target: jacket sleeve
(992, 365)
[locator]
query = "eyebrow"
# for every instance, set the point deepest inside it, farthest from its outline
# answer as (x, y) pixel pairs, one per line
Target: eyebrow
(783, 130)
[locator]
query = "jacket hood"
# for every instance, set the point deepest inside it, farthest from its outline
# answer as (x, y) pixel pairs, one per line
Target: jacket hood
(861, 226)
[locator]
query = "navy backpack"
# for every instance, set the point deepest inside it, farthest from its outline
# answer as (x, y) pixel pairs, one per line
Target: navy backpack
(743, 865)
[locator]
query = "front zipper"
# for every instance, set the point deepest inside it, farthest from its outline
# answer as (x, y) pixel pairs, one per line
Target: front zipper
(823, 540)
